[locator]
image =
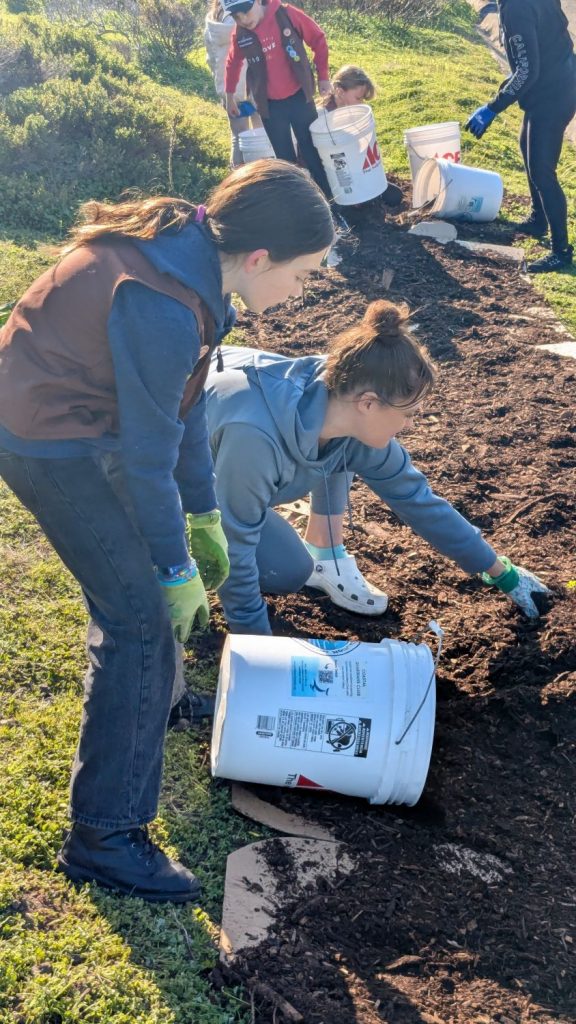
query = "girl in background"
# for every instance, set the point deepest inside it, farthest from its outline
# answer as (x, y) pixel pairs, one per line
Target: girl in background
(270, 37)
(218, 28)
(349, 85)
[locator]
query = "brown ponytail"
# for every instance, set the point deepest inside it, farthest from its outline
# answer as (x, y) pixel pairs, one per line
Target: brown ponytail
(266, 204)
(380, 354)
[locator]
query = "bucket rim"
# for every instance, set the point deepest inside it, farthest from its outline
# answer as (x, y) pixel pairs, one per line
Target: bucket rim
(429, 165)
(399, 795)
(327, 121)
(431, 129)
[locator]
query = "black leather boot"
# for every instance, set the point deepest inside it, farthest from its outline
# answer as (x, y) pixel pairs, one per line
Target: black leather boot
(191, 709)
(127, 861)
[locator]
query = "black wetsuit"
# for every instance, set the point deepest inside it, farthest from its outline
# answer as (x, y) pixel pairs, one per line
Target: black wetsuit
(543, 83)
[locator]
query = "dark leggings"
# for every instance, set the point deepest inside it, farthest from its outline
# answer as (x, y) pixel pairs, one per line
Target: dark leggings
(295, 113)
(541, 141)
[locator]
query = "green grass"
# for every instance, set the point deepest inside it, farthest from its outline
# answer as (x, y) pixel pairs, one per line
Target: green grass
(68, 956)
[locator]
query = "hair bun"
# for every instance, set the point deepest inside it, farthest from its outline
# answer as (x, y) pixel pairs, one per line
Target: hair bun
(386, 317)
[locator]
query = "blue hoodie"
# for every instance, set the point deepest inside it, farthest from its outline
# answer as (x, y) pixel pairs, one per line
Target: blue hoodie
(265, 414)
(155, 344)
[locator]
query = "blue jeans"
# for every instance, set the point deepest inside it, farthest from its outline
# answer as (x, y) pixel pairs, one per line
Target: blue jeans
(81, 506)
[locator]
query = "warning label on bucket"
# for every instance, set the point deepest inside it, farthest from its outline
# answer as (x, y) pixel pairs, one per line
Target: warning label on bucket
(324, 734)
(342, 171)
(330, 677)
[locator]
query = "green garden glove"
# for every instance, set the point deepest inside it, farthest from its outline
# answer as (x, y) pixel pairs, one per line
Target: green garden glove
(186, 596)
(519, 585)
(209, 547)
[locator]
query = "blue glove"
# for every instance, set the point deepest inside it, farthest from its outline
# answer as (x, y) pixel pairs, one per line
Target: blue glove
(481, 120)
(246, 108)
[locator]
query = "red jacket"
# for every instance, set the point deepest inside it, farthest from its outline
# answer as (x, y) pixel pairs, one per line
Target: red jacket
(282, 81)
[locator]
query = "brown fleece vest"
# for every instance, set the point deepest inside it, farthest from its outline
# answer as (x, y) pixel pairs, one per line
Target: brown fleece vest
(57, 379)
(257, 77)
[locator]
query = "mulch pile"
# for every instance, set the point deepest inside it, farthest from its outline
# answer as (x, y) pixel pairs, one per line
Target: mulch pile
(430, 928)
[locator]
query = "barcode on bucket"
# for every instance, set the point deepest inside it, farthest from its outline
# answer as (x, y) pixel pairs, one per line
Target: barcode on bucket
(267, 722)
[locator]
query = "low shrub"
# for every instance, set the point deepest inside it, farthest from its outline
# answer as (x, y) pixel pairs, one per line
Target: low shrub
(78, 122)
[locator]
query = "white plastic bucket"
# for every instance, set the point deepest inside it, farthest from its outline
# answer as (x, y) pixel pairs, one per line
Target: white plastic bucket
(346, 142)
(221, 31)
(355, 718)
(255, 145)
(217, 36)
(458, 191)
(432, 140)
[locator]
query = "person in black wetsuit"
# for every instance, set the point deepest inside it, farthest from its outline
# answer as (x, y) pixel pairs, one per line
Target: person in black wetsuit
(543, 83)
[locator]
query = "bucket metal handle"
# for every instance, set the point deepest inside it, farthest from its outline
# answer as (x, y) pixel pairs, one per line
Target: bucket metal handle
(435, 628)
(328, 128)
(433, 201)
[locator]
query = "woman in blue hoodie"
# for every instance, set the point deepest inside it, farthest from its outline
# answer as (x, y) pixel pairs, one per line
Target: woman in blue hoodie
(103, 437)
(282, 427)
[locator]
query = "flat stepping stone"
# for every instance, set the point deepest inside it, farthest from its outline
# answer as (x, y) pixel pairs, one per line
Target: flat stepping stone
(514, 253)
(561, 348)
(253, 893)
(440, 230)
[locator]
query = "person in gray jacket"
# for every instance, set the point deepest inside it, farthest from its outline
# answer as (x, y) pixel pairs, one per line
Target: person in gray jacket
(281, 427)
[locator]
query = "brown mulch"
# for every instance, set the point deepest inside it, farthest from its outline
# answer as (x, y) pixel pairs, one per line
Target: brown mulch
(415, 935)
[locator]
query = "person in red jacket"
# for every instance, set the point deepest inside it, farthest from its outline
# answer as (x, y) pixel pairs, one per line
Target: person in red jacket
(270, 37)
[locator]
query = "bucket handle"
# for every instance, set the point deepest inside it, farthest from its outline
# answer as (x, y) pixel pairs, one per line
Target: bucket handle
(432, 202)
(435, 628)
(328, 128)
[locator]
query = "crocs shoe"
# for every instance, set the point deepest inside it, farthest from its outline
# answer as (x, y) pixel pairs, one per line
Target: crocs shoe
(349, 589)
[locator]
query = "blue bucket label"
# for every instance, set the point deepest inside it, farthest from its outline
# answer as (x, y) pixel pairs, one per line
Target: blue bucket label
(472, 205)
(342, 678)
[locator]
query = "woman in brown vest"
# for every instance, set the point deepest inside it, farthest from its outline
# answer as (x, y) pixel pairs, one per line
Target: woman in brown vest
(103, 437)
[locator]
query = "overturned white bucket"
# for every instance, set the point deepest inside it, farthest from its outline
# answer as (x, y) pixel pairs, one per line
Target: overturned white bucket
(458, 191)
(355, 718)
(346, 142)
(432, 140)
(255, 145)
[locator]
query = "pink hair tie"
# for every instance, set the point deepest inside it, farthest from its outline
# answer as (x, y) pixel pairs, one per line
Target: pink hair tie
(200, 215)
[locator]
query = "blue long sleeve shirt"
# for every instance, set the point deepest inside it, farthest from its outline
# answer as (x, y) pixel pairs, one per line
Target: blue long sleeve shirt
(154, 342)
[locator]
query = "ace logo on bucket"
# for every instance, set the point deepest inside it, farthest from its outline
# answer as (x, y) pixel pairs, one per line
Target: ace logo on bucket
(372, 157)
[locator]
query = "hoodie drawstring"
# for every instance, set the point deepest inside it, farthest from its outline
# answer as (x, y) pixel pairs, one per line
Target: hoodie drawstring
(349, 508)
(348, 502)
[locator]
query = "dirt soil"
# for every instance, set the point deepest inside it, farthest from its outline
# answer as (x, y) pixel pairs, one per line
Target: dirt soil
(430, 929)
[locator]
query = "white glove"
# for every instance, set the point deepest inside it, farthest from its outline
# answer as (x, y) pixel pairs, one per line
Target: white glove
(519, 585)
